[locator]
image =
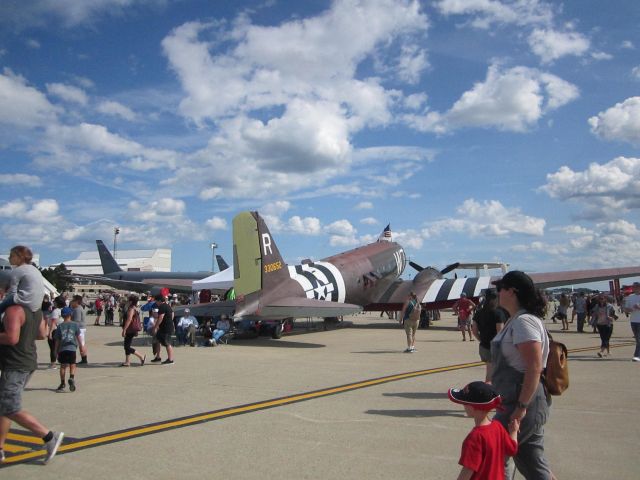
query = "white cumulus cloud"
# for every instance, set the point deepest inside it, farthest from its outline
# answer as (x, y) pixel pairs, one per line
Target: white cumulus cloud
(109, 107)
(364, 206)
(551, 45)
(489, 218)
(68, 93)
(20, 179)
(216, 223)
(486, 13)
(620, 122)
(22, 105)
(293, 96)
(512, 100)
(605, 190)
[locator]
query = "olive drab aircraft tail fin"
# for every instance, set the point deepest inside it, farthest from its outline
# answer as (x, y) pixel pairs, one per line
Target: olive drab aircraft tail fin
(109, 264)
(257, 262)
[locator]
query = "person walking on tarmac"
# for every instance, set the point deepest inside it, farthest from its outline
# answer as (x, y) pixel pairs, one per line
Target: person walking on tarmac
(163, 328)
(18, 360)
(410, 317)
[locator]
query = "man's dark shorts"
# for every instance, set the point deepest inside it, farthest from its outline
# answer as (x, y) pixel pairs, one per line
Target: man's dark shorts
(164, 338)
(485, 353)
(12, 384)
(67, 358)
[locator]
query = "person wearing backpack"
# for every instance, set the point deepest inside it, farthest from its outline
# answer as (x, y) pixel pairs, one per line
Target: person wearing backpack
(410, 317)
(519, 355)
(130, 329)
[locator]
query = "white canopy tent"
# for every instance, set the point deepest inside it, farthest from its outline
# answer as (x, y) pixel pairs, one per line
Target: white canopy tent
(218, 281)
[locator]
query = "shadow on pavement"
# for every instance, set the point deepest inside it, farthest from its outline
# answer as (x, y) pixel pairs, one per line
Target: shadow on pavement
(419, 395)
(417, 413)
(268, 342)
(375, 352)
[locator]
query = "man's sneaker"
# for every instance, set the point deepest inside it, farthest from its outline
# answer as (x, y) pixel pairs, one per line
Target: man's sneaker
(412, 349)
(2, 456)
(635, 359)
(72, 385)
(168, 362)
(156, 360)
(60, 388)
(52, 445)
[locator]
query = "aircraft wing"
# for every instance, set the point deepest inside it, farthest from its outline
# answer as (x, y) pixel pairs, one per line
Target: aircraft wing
(433, 293)
(556, 279)
(442, 293)
(297, 307)
(173, 284)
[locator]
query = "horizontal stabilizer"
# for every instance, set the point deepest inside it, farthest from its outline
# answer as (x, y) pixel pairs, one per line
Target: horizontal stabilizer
(207, 309)
(296, 307)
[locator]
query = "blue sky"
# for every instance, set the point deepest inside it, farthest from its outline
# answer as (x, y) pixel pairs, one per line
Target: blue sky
(481, 130)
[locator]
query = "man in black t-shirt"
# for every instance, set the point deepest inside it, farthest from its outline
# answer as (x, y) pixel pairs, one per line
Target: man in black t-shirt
(163, 328)
(487, 322)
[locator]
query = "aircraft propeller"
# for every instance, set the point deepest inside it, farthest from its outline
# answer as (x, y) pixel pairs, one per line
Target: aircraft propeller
(445, 270)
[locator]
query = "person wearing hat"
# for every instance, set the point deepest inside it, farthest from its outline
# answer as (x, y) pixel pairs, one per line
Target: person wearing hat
(67, 341)
(464, 308)
(486, 446)
(519, 354)
(632, 307)
(187, 327)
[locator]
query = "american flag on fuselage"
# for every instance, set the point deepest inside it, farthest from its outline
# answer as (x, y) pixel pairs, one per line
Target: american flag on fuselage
(385, 236)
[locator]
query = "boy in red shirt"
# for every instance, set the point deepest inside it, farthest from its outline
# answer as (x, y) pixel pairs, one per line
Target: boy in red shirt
(486, 447)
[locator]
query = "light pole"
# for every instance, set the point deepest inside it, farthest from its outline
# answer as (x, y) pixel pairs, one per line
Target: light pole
(213, 246)
(116, 231)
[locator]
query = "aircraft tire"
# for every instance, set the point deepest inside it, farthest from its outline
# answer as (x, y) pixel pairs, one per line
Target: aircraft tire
(277, 331)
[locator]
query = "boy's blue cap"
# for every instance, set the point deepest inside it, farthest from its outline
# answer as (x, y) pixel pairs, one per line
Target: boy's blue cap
(66, 312)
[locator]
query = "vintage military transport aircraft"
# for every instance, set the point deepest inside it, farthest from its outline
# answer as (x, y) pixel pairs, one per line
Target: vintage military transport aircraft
(365, 278)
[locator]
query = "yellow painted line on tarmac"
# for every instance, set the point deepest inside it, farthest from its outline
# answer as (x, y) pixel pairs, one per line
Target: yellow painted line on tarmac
(14, 448)
(143, 430)
(24, 438)
(238, 410)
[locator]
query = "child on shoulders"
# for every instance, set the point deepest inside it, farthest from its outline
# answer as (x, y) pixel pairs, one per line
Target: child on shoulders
(26, 287)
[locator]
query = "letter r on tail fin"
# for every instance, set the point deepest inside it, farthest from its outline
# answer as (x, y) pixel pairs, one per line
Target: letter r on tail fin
(257, 263)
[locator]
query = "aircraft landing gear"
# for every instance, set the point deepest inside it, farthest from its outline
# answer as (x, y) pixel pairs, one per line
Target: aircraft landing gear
(278, 328)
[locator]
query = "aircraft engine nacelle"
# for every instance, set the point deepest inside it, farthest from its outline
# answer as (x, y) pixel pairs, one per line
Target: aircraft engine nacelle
(426, 275)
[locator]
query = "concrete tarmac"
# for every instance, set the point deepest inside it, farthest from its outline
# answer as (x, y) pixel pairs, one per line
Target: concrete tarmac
(119, 421)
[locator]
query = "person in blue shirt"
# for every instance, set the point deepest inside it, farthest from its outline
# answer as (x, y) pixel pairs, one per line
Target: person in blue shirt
(67, 341)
